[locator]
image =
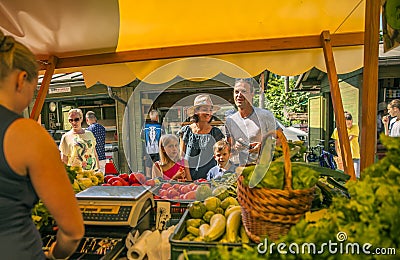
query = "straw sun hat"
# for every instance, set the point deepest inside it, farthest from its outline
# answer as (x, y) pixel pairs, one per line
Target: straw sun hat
(202, 100)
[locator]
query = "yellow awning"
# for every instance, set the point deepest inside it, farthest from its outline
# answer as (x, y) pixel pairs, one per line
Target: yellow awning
(72, 30)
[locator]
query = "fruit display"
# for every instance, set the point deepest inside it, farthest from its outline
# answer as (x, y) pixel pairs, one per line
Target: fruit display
(132, 179)
(84, 178)
(207, 221)
(177, 191)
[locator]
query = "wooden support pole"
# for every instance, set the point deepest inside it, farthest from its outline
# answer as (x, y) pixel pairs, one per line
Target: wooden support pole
(370, 84)
(262, 88)
(337, 105)
(44, 88)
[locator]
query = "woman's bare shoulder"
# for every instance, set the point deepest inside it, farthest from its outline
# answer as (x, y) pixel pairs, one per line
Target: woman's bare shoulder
(28, 129)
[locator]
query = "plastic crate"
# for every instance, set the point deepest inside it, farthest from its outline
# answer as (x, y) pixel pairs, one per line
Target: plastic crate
(178, 246)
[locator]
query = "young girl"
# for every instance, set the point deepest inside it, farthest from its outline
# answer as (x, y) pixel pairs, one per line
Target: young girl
(170, 166)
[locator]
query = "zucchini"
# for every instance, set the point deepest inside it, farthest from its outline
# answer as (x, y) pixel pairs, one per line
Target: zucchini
(192, 230)
(203, 229)
(217, 228)
(229, 210)
(232, 226)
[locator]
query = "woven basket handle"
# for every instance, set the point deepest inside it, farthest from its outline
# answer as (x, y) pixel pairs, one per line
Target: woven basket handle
(287, 166)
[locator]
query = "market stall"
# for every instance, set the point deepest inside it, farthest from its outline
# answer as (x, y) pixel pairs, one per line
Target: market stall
(119, 41)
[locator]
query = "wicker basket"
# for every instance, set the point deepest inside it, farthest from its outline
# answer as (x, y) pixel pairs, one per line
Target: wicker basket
(271, 212)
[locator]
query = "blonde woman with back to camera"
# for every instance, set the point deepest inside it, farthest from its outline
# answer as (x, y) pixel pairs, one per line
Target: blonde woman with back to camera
(30, 166)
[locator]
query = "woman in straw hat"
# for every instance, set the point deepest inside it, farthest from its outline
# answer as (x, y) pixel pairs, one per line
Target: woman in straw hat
(198, 138)
(30, 166)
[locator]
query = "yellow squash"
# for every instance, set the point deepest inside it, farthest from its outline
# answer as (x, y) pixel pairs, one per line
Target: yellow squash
(217, 228)
(232, 226)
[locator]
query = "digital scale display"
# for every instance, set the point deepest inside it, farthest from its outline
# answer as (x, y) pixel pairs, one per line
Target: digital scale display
(100, 209)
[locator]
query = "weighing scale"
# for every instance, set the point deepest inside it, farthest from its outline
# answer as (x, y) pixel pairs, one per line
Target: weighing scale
(110, 213)
(115, 205)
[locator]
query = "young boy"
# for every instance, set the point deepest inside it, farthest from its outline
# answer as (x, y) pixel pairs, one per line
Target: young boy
(222, 153)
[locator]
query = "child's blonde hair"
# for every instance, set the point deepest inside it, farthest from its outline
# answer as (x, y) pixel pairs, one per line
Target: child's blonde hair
(221, 145)
(164, 141)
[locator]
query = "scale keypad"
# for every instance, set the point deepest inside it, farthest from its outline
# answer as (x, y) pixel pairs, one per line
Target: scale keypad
(122, 215)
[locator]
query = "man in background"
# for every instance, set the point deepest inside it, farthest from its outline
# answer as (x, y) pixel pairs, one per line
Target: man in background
(99, 133)
(152, 132)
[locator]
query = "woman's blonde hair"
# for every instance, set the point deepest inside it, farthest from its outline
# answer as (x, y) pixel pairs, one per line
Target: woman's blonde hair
(76, 111)
(164, 141)
(14, 55)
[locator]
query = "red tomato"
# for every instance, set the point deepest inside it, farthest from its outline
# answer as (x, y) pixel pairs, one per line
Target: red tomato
(116, 178)
(124, 176)
(191, 195)
(105, 184)
(201, 180)
(136, 184)
(172, 193)
(185, 189)
(193, 186)
(107, 177)
(117, 183)
(170, 189)
(182, 188)
(176, 186)
(165, 186)
(162, 192)
(140, 177)
(132, 178)
(150, 183)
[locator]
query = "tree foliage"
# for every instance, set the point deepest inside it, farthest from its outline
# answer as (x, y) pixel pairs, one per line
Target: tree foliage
(280, 102)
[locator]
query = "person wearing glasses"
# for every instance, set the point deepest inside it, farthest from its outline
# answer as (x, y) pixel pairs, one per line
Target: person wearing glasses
(246, 130)
(78, 146)
(30, 166)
